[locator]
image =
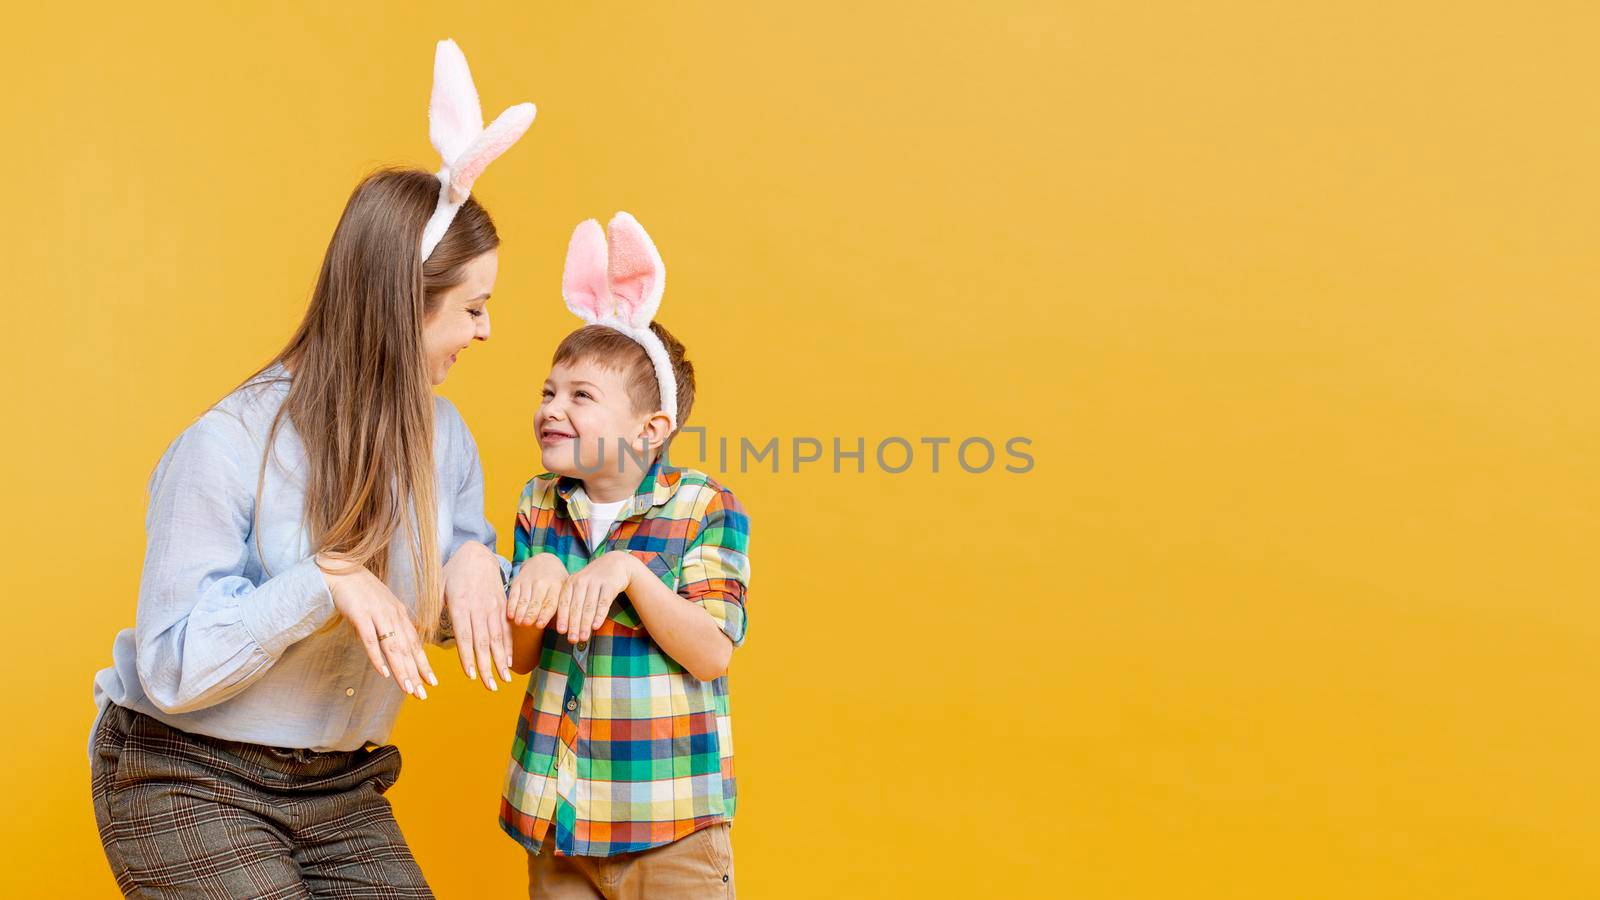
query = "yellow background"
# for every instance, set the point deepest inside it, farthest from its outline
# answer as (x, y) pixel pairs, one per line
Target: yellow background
(1295, 301)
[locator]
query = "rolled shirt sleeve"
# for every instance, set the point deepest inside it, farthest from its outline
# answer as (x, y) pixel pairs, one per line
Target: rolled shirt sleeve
(204, 630)
(716, 565)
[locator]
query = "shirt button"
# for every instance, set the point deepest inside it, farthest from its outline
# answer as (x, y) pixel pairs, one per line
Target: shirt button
(349, 692)
(572, 704)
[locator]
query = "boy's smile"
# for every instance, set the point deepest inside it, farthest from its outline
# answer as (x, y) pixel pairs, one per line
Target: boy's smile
(554, 434)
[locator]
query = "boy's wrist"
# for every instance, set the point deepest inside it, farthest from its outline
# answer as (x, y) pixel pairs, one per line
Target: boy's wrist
(632, 566)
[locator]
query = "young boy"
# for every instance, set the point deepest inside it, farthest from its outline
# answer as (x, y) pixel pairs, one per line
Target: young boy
(628, 599)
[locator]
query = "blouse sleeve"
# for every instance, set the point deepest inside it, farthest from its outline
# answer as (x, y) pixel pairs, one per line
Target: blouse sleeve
(204, 631)
(469, 523)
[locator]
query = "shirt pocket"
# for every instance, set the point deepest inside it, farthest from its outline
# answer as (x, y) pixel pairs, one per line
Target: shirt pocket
(666, 566)
(660, 544)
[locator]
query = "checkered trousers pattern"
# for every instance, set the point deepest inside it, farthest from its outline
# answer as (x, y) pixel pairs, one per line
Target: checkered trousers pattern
(184, 815)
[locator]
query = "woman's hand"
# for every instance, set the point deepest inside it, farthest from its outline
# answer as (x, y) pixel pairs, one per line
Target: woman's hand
(475, 598)
(586, 598)
(382, 624)
(535, 589)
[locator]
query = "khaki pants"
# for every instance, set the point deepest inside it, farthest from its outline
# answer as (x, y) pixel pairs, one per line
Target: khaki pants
(697, 865)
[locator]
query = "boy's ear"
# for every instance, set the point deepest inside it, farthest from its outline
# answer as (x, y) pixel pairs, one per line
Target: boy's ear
(656, 430)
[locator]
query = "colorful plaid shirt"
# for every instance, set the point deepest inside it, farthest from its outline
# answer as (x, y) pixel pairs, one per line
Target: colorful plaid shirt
(617, 743)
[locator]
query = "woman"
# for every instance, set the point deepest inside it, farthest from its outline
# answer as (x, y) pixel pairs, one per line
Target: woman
(286, 596)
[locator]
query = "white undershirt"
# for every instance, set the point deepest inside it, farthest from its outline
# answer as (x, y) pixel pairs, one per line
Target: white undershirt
(600, 519)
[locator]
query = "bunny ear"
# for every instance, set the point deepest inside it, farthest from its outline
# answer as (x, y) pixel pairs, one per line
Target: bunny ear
(583, 281)
(637, 274)
(455, 118)
(495, 140)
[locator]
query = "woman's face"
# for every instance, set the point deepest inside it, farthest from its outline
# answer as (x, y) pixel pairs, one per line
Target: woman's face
(461, 316)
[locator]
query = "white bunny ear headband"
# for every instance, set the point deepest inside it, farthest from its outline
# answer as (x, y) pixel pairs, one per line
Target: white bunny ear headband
(455, 125)
(618, 285)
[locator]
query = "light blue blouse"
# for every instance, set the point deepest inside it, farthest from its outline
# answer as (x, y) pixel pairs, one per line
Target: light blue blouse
(236, 635)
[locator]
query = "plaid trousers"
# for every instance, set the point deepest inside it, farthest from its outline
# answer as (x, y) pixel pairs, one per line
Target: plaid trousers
(185, 815)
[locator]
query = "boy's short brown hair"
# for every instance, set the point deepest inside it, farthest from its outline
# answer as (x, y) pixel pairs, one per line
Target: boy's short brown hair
(614, 350)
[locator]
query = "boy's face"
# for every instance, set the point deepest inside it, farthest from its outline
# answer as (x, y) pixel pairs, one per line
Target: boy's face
(586, 405)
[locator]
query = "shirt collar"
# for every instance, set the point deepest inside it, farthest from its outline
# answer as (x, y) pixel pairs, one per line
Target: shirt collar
(655, 489)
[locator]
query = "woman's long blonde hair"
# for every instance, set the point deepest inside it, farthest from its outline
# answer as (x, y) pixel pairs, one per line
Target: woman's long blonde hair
(360, 396)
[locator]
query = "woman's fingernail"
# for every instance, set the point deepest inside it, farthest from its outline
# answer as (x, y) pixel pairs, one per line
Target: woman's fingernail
(472, 672)
(408, 685)
(433, 679)
(384, 670)
(422, 692)
(493, 686)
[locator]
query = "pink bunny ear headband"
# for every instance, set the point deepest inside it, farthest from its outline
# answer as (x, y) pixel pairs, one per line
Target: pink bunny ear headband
(455, 125)
(619, 285)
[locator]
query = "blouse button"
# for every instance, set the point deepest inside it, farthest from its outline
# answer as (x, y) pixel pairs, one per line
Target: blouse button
(349, 692)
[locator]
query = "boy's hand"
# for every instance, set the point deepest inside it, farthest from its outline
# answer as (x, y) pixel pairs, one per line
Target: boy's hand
(535, 589)
(586, 598)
